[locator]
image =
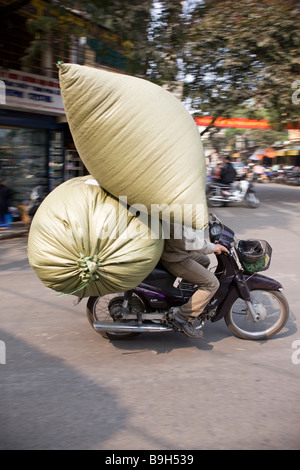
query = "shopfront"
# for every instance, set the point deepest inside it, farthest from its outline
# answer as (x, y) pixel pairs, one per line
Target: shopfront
(32, 133)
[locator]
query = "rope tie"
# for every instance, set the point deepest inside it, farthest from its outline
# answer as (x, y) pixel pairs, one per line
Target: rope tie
(88, 267)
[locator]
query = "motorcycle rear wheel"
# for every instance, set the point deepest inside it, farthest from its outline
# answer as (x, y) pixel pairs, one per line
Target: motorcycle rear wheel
(271, 306)
(97, 310)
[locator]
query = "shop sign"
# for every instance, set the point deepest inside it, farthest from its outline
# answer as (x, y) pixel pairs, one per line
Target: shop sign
(20, 90)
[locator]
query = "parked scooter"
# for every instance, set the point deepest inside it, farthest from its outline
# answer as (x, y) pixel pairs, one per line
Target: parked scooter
(220, 195)
(252, 305)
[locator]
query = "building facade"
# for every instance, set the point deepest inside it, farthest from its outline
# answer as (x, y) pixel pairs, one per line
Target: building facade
(36, 146)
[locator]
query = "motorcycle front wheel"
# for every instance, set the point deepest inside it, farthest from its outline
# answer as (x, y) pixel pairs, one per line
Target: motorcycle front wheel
(272, 310)
(98, 310)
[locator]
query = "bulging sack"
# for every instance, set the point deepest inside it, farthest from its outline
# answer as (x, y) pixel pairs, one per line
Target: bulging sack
(137, 140)
(83, 241)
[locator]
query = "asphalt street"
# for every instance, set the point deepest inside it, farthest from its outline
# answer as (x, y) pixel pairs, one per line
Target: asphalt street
(63, 386)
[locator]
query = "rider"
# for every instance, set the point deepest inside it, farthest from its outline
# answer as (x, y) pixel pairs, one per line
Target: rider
(191, 265)
(228, 173)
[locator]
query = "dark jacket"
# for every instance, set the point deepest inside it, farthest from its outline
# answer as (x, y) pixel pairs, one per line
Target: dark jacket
(228, 174)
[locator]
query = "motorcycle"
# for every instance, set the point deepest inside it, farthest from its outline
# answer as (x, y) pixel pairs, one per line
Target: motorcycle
(220, 195)
(253, 305)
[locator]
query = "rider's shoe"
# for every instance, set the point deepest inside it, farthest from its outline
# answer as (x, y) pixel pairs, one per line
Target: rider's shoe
(187, 327)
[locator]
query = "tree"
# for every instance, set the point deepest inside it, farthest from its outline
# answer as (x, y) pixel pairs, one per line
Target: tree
(166, 40)
(243, 53)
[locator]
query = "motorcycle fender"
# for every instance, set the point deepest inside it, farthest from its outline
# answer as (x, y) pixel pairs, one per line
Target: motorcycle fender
(256, 281)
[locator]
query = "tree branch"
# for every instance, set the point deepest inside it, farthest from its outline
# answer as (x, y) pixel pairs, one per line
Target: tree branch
(211, 124)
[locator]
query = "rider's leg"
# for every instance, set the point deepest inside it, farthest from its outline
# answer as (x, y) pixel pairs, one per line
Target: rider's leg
(208, 284)
(194, 269)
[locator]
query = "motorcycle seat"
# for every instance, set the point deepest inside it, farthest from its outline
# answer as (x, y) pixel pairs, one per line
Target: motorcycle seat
(161, 278)
(160, 272)
(223, 185)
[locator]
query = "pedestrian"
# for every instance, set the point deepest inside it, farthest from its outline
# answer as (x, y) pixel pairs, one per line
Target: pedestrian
(259, 170)
(4, 202)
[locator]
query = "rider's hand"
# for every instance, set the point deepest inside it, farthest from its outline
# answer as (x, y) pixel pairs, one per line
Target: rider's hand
(219, 248)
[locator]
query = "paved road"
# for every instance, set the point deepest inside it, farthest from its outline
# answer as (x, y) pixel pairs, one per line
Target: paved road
(65, 387)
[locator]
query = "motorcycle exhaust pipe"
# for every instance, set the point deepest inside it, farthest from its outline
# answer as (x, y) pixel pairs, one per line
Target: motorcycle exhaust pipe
(123, 328)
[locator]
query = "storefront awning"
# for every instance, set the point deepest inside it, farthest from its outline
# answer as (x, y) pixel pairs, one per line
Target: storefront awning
(288, 151)
(260, 153)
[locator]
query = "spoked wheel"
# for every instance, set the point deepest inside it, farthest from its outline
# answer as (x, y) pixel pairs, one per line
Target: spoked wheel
(272, 310)
(98, 310)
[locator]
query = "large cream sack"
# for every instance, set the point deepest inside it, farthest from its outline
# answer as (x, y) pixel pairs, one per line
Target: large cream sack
(82, 241)
(137, 140)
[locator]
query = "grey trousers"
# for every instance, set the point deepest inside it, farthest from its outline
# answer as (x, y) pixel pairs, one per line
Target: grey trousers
(194, 269)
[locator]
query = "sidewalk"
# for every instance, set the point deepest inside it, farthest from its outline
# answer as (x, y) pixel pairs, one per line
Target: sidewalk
(15, 230)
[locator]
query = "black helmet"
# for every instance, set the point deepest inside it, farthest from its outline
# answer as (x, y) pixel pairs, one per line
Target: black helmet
(254, 255)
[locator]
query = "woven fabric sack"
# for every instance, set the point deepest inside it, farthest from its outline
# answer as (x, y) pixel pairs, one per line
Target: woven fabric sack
(82, 241)
(137, 140)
